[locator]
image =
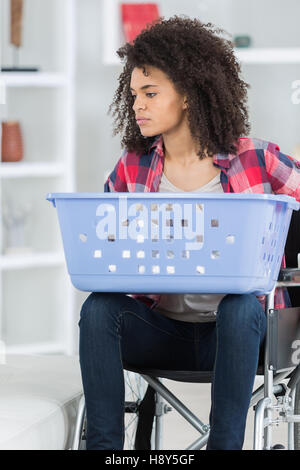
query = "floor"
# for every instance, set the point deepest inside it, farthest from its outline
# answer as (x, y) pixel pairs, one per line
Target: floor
(178, 434)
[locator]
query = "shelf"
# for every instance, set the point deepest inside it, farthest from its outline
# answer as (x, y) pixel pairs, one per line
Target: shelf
(269, 55)
(247, 56)
(33, 79)
(45, 102)
(37, 348)
(30, 169)
(32, 260)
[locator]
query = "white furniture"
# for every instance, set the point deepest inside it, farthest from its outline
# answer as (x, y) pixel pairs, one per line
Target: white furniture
(37, 300)
(39, 396)
(113, 37)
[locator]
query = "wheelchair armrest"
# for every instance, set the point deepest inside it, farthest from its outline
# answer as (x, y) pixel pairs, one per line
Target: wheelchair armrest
(289, 275)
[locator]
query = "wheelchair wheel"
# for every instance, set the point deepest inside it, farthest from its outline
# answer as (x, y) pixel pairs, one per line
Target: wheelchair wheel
(297, 412)
(135, 388)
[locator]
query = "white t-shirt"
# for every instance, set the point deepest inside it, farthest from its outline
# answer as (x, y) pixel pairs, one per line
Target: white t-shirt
(193, 308)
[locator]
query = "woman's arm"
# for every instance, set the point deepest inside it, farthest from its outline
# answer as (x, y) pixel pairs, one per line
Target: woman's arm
(283, 172)
(116, 181)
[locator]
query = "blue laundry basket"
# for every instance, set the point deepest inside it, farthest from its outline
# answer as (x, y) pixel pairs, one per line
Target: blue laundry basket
(179, 242)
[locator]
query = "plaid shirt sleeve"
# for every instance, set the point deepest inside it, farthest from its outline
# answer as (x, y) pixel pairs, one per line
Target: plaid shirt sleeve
(283, 172)
(116, 181)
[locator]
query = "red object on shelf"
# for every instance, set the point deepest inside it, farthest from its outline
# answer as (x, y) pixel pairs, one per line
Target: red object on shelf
(11, 142)
(135, 17)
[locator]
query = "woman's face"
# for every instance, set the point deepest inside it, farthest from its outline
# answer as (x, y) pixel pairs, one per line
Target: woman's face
(158, 107)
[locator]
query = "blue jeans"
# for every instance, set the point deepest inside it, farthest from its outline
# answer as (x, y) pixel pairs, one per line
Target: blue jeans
(115, 328)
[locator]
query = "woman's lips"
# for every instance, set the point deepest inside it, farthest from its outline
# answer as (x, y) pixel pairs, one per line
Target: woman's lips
(141, 122)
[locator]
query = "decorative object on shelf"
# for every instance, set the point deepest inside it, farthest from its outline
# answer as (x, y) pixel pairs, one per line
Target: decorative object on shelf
(11, 142)
(242, 41)
(16, 19)
(135, 17)
(16, 216)
(296, 152)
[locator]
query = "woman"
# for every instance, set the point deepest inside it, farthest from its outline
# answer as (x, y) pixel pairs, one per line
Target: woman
(182, 109)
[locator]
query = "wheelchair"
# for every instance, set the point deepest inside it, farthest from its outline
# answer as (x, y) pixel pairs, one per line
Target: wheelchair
(278, 395)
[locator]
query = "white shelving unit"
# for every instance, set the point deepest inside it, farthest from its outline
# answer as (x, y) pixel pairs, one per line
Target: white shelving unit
(276, 55)
(37, 308)
(113, 38)
(29, 79)
(21, 170)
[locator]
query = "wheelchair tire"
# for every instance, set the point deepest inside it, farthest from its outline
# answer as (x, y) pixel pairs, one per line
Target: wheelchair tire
(135, 388)
(297, 412)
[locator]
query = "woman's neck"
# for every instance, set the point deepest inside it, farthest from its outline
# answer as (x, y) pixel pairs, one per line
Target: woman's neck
(180, 148)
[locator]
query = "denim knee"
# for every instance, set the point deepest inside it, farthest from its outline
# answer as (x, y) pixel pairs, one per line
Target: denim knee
(98, 308)
(240, 308)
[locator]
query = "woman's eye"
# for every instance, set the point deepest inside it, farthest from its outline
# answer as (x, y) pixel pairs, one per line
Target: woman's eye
(150, 95)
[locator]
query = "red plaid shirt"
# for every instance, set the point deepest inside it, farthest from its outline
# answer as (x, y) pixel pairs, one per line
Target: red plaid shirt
(258, 167)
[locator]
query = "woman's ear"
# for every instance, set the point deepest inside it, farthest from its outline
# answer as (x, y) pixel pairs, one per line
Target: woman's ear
(185, 104)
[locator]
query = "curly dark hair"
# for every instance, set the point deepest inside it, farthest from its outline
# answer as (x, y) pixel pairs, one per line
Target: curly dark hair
(203, 67)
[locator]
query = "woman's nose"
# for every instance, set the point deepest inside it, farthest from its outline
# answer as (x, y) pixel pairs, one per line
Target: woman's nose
(138, 104)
